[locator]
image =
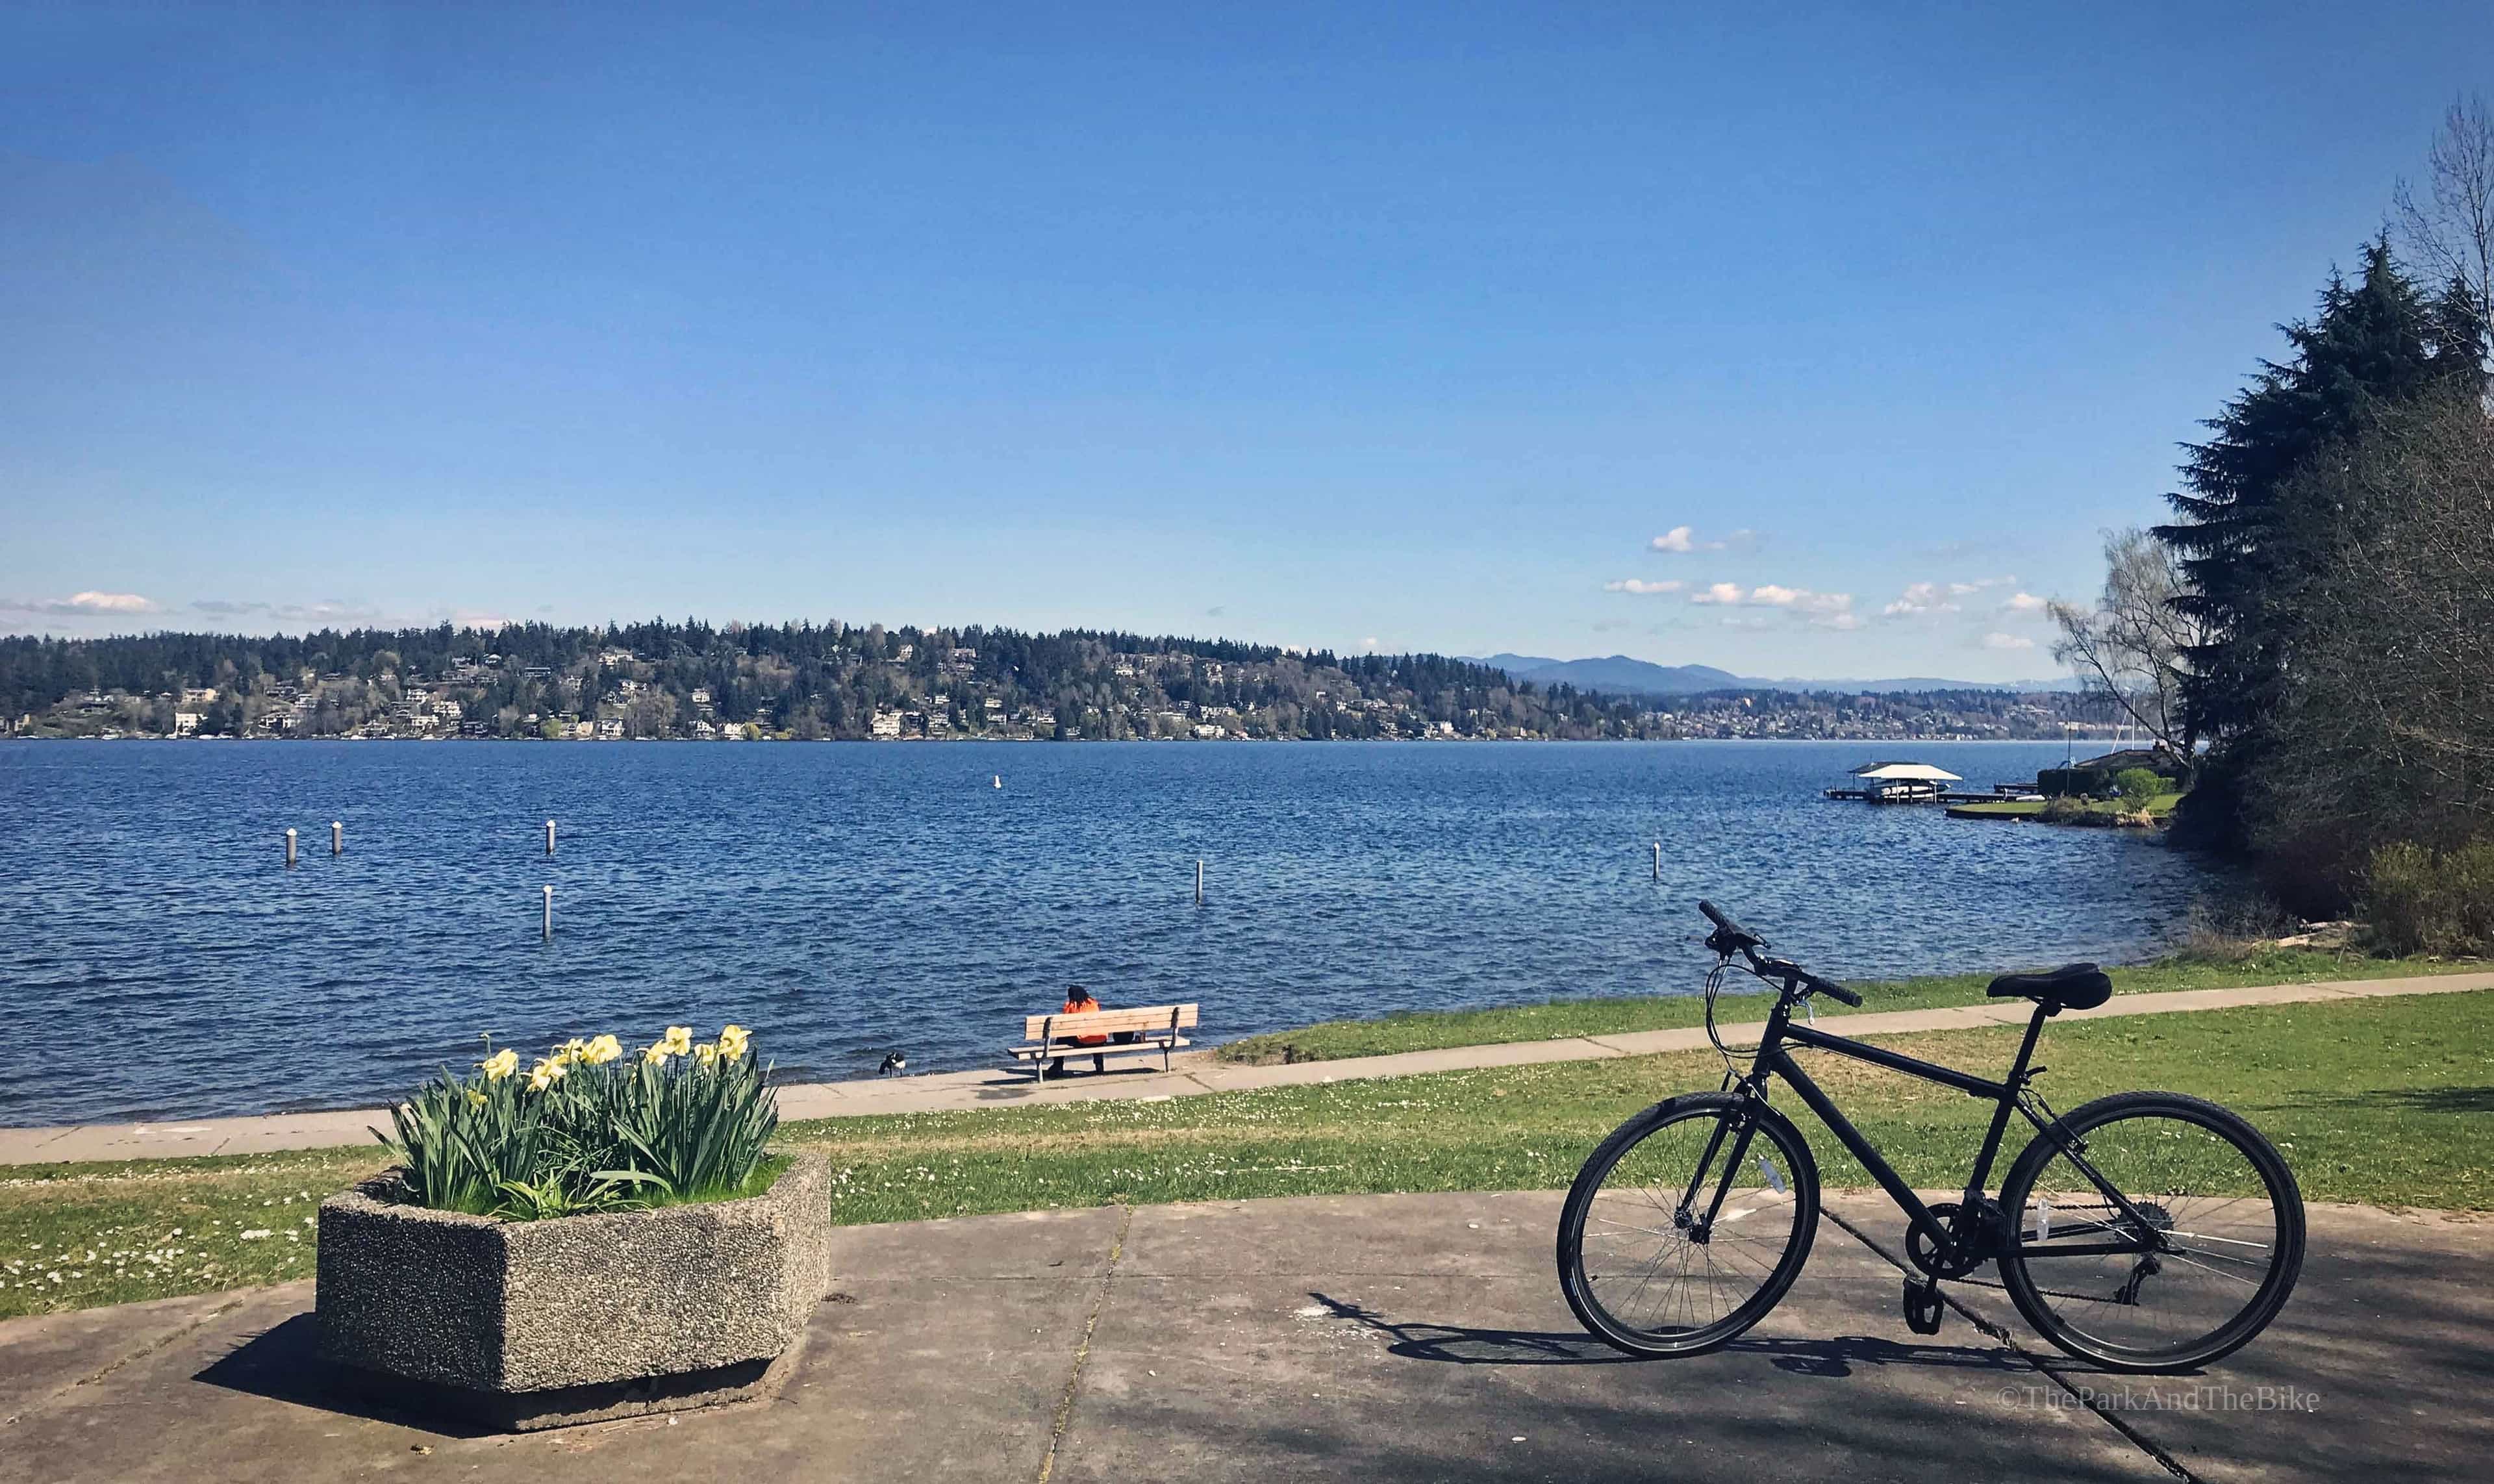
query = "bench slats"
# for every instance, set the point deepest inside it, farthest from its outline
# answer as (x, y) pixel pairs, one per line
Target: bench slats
(1103, 1022)
(1152, 1031)
(1066, 1048)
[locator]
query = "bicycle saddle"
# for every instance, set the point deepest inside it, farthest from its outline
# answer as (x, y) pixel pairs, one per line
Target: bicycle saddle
(2071, 987)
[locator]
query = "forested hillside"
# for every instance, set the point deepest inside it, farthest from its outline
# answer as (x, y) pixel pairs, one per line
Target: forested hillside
(663, 679)
(806, 683)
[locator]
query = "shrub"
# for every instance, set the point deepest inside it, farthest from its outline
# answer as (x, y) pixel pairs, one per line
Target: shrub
(2063, 810)
(2137, 786)
(586, 1130)
(2232, 927)
(2418, 901)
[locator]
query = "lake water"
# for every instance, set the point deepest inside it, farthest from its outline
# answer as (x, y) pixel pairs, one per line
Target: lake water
(159, 960)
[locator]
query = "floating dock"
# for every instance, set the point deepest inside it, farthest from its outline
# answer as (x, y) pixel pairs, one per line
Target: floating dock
(2001, 793)
(1895, 782)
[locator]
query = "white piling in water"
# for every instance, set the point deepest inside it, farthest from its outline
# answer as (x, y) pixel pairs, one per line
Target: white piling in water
(549, 914)
(337, 838)
(1198, 881)
(549, 840)
(1658, 860)
(996, 780)
(289, 848)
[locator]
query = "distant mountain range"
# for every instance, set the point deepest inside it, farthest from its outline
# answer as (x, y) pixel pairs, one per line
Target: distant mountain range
(1620, 675)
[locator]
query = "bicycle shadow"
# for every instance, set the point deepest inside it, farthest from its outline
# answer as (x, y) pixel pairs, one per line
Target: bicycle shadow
(1472, 1345)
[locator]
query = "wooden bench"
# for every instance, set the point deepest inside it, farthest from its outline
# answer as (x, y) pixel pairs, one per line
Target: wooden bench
(1154, 1030)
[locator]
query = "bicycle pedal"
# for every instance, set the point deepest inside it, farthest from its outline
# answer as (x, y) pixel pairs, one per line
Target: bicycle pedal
(1923, 1305)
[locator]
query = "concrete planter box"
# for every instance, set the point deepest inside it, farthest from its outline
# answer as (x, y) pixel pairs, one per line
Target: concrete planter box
(522, 1325)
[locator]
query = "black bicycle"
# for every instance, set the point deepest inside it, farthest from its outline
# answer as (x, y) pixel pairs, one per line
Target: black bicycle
(2145, 1231)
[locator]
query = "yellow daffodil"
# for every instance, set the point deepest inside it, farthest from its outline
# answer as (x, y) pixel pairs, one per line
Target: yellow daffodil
(600, 1052)
(656, 1052)
(568, 1052)
(678, 1040)
(475, 1098)
(546, 1074)
(708, 1054)
(500, 1064)
(732, 1041)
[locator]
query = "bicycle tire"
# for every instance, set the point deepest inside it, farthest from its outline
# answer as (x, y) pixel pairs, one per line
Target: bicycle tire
(1656, 1341)
(2054, 1292)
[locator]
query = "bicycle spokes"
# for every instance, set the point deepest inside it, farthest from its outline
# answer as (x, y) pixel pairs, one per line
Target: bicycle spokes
(1687, 1231)
(2163, 1233)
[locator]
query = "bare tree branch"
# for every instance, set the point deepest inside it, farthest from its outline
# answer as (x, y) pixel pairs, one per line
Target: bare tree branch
(2133, 648)
(2449, 233)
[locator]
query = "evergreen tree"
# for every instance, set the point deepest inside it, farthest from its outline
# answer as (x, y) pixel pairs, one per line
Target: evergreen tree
(2375, 345)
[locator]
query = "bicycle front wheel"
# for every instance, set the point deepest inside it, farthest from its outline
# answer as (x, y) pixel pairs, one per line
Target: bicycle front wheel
(2150, 1231)
(1687, 1225)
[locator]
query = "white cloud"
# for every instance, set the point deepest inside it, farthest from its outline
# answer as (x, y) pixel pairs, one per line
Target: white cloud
(1825, 610)
(80, 604)
(1930, 597)
(1961, 589)
(111, 602)
(1799, 600)
(2023, 602)
(1682, 540)
(1640, 584)
(328, 611)
(1921, 598)
(2007, 642)
(1369, 644)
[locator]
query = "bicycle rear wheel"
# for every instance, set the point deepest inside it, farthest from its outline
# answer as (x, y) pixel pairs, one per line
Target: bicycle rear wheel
(1642, 1261)
(2194, 1261)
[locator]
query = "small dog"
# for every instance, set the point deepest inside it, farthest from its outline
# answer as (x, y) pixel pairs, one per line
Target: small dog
(892, 1061)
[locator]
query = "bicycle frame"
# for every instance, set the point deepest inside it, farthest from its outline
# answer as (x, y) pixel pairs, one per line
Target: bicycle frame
(1775, 1061)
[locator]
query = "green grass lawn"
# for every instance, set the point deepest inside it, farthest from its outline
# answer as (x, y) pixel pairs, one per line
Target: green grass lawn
(1611, 1016)
(2387, 1101)
(72, 1236)
(2096, 811)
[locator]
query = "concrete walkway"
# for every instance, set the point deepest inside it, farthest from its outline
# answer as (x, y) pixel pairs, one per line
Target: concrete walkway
(1377, 1337)
(1193, 1073)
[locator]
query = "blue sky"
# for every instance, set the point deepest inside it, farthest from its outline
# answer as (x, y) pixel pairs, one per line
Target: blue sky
(1420, 327)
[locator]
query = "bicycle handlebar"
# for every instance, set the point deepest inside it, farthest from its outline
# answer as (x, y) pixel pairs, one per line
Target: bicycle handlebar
(1730, 937)
(1829, 987)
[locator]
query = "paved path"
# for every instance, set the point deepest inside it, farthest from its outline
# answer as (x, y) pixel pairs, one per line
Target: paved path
(1374, 1337)
(1193, 1074)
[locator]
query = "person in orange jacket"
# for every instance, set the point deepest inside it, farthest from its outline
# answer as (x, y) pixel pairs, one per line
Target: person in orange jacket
(1078, 1001)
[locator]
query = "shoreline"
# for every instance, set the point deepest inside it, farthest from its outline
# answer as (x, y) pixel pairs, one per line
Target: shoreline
(1328, 1045)
(1572, 742)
